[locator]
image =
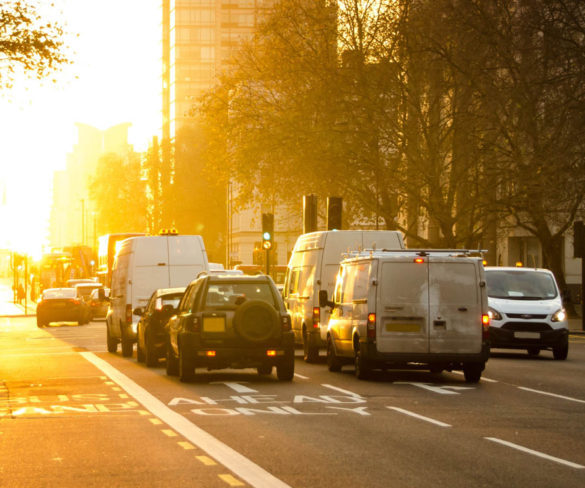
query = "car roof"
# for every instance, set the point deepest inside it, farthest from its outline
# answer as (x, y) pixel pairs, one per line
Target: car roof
(518, 269)
(169, 291)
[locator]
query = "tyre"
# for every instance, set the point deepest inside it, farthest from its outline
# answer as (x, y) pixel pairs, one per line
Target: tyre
(127, 344)
(139, 352)
(310, 353)
(561, 352)
(256, 321)
(186, 366)
(362, 368)
(533, 351)
(265, 369)
(150, 355)
(112, 343)
(285, 369)
(472, 372)
(333, 362)
(172, 362)
(40, 322)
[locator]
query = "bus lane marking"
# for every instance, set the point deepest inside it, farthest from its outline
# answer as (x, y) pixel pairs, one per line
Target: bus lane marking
(230, 458)
(540, 392)
(420, 417)
(441, 390)
(535, 453)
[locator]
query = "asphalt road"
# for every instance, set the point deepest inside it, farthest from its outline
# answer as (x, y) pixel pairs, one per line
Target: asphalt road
(72, 414)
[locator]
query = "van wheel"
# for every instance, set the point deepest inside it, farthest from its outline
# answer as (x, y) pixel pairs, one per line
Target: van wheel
(150, 356)
(310, 353)
(112, 343)
(285, 369)
(127, 344)
(362, 368)
(333, 362)
(533, 351)
(560, 353)
(139, 352)
(472, 372)
(172, 363)
(186, 367)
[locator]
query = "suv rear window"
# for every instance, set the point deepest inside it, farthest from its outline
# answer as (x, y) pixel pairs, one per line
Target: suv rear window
(230, 294)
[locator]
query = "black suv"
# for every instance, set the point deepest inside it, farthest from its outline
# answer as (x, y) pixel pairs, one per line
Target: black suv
(227, 321)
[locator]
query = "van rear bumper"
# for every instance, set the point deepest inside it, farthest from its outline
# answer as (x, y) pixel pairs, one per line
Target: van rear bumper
(507, 339)
(372, 355)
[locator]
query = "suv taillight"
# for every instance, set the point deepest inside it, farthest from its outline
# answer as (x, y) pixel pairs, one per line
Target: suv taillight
(128, 314)
(371, 326)
(316, 317)
(286, 325)
(192, 323)
(485, 324)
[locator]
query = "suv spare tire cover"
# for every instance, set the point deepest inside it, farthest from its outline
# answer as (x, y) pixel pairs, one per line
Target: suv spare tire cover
(256, 321)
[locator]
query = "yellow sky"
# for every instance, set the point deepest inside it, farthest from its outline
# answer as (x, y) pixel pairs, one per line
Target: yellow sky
(115, 78)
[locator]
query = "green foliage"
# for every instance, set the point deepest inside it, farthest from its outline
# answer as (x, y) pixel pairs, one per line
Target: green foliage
(27, 43)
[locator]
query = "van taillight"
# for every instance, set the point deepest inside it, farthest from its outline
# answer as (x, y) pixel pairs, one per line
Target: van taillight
(485, 323)
(419, 260)
(316, 316)
(128, 314)
(371, 327)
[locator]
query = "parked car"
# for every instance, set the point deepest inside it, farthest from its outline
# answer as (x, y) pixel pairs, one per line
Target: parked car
(144, 264)
(526, 310)
(313, 266)
(99, 303)
(231, 322)
(152, 335)
(84, 290)
(407, 309)
(61, 305)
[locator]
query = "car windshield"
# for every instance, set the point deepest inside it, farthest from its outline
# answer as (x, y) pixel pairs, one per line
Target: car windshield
(520, 285)
(59, 293)
(230, 294)
(85, 291)
(172, 300)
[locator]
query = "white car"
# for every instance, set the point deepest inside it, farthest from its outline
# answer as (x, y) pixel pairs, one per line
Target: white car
(526, 311)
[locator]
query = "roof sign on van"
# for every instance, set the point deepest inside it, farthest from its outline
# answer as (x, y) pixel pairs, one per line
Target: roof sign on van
(168, 232)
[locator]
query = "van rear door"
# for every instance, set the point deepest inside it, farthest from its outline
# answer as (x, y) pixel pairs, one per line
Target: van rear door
(403, 306)
(187, 258)
(454, 305)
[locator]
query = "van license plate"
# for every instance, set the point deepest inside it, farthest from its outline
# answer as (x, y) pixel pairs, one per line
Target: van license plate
(398, 327)
(527, 335)
(214, 324)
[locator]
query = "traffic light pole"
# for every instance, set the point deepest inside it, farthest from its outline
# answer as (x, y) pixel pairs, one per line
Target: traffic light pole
(268, 262)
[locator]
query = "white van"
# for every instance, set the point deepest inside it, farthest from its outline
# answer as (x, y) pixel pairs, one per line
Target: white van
(409, 309)
(143, 265)
(313, 266)
(526, 311)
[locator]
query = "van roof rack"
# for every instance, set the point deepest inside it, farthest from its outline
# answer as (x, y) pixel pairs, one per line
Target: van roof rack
(419, 252)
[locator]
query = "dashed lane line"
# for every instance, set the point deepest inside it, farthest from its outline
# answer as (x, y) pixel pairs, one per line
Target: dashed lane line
(535, 453)
(562, 397)
(206, 460)
(301, 376)
(420, 417)
(230, 480)
(230, 458)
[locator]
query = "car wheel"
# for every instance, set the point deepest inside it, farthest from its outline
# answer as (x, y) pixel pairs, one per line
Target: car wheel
(40, 322)
(256, 321)
(533, 351)
(561, 352)
(172, 363)
(472, 372)
(333, 362)
(112, 343)
(310, 353)
(127, 344)
(265, 369)
(150, 355)
(362, 367)
(186, 366)
(285, 369)
(139, 352)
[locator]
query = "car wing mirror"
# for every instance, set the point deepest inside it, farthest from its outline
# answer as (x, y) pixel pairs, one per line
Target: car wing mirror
(324, 300)
(138, 311)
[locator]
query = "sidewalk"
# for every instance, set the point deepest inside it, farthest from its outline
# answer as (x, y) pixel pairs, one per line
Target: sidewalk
(7, 306)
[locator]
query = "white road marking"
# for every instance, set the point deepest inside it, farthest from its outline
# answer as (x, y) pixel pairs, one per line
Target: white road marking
(341, 390)
(301, 376)
(238, 387)
(552, 394)
(421, 417)
(231, 459)
(442, 390)
(535, 453)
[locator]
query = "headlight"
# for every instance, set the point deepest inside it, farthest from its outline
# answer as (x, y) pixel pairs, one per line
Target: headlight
(494, 314)
(559, 315)
(134, 327)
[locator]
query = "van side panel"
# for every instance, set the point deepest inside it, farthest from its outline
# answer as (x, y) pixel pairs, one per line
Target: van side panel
(454, 306)
(403, 307)
(150, 250)
(145, 280)
(187, 250)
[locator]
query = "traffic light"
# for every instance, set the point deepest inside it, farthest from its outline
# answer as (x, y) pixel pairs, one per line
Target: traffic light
(334, 210)
(578, 239)
(267, 230)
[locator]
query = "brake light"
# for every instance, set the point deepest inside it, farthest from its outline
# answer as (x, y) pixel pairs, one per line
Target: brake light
(419, 260)
(128, 313)
(316, 317)
(271, 352)
(286, 325)
(210, 354)
(485, 323)
(75, 301)
(371, 327)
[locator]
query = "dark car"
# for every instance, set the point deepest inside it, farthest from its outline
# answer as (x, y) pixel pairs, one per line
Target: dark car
(98, 303)
(152, 336)
(231, 322)
(61, 305)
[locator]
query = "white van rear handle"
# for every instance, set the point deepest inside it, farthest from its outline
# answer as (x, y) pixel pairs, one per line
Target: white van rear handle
(462, 309)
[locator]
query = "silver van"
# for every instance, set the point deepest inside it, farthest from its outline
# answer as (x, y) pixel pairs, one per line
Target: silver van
(406, 308)
(313, 267)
